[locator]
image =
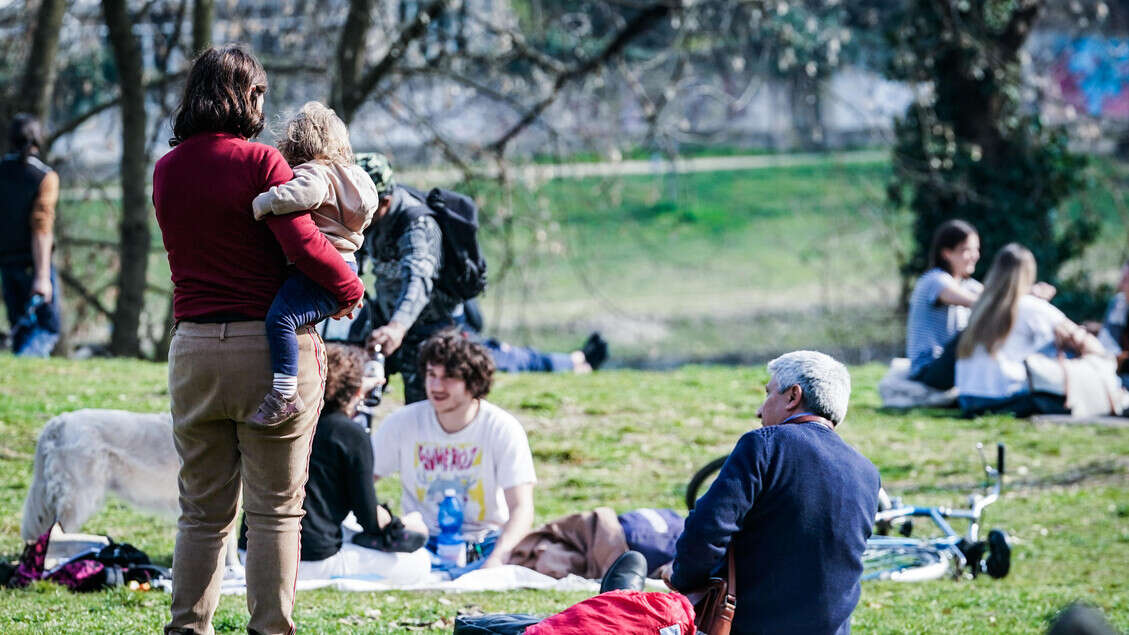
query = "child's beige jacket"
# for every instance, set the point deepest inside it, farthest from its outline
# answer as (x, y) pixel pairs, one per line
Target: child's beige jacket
(342, 200)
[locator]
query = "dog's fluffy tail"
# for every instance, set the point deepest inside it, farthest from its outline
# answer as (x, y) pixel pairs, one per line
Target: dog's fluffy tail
(39, 510)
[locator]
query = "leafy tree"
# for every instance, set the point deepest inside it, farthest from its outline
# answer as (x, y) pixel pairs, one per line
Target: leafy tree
(969, 147)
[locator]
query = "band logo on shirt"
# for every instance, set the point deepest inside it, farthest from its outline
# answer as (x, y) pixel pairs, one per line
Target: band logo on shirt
(446, 458)
(458, 467)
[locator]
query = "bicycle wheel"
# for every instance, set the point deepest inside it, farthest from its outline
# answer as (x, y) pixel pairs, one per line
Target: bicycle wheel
(694, 487)
(904, 562)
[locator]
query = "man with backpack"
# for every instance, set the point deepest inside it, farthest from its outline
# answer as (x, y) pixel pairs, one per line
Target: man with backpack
(423, 251)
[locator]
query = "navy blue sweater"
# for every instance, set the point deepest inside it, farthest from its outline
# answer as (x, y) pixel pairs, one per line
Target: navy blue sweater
(798, 504)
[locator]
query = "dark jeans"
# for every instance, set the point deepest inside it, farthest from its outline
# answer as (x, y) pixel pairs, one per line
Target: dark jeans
(299, 302)
(941, 372)
(16, 282)
(1023, 404)
(508, 358)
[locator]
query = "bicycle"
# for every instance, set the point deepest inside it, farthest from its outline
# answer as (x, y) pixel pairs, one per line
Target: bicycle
(908, 559)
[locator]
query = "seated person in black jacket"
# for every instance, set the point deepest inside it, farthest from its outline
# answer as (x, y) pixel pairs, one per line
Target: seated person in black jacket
(794, 502)
(340, 482)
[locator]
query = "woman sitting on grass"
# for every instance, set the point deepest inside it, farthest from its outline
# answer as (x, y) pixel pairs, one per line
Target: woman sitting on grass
(941, 303)
(1008, 325)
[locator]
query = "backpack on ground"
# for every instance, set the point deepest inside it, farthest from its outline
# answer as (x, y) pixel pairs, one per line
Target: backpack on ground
(464, 268)
(97, 568)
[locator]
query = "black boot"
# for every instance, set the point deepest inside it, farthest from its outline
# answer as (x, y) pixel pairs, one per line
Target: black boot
(627, 573)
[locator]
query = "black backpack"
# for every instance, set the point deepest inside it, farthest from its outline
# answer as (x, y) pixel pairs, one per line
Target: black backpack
(464, 268)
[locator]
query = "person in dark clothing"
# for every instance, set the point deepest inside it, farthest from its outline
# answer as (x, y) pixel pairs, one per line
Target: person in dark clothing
(340, 483)
(794, 502)
(409, 305)
(29, 190)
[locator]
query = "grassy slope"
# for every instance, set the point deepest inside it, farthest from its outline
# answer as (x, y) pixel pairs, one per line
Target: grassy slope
(629, 439)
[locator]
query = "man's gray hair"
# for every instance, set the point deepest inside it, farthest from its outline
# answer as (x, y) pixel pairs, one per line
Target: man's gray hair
(825, 382)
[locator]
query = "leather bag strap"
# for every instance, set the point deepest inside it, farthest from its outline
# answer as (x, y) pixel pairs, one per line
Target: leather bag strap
(811, 419)
(731, 575)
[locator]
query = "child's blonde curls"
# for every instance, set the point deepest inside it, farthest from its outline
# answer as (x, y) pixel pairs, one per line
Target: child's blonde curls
(316, 133)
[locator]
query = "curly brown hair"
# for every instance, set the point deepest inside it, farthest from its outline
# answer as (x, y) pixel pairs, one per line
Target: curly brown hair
(346, 369)
(218, 95)
(459, 357)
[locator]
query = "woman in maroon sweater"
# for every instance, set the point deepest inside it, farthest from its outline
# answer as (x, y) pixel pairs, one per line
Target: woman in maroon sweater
(226, 269)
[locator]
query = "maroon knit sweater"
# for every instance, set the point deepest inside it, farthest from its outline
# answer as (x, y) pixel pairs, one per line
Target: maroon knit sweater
(223, 261)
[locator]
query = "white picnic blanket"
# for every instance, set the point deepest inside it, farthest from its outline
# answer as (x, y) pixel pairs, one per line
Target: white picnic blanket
(502, 578)
(899, 391)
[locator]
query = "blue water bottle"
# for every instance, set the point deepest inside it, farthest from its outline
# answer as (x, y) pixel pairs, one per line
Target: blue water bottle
(450, 546)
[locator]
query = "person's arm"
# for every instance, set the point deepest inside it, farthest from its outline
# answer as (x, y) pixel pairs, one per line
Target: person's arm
(1074, 337)
(718, 515)
(43, 235)
(1044, 291)
(519, 499)
(957, 296)
(357, 475)
(313, 255)
(420, 250)
(306, 191)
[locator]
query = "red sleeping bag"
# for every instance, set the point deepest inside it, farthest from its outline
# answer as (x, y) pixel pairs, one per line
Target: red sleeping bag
(623, 613)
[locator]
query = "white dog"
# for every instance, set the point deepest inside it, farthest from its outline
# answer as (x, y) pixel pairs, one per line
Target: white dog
(82, 455)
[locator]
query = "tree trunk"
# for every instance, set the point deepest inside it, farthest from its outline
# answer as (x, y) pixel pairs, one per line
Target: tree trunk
(203, 15)
(350, 58)
(134, 229)
(39, 75)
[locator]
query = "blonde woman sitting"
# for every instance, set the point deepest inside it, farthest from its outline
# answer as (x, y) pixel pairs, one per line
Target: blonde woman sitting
(1008, 325)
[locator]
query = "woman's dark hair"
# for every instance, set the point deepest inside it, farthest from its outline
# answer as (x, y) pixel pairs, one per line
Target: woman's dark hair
(346, 369)
(24, 134)
(460, 358)
(950, 234)
(217, 96)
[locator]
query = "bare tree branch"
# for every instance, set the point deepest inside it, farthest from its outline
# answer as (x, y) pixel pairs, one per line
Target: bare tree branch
(70, 126)
(356, 88)
(417, 28)
(635, 27)
(39, 74)
(546, 62)
(76, 285)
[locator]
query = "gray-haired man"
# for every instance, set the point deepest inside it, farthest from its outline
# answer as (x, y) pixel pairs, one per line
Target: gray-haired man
(794, 502)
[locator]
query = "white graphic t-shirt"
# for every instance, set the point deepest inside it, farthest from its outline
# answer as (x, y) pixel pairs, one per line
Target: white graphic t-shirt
(479, 462)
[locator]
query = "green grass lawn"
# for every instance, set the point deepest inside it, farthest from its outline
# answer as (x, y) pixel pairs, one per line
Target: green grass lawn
(629, 439)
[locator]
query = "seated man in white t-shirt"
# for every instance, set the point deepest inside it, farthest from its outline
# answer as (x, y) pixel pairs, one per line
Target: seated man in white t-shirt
(458, 440)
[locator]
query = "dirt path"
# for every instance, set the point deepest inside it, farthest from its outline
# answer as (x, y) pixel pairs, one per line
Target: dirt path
(544, 172)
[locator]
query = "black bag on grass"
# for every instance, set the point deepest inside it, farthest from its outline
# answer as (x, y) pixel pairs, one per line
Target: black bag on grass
(496, 624)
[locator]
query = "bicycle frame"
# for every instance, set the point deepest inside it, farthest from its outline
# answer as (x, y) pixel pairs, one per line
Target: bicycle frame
(951, 541)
